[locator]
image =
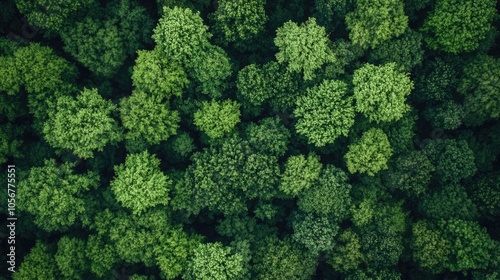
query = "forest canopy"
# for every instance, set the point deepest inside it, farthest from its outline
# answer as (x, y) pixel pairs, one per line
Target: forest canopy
(250, 139)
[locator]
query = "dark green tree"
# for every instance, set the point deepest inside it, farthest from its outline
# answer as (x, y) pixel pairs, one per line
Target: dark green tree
(458, 26)
(70, 257)
(38, 262)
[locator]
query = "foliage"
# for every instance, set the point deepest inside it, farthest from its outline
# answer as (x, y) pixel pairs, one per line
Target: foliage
(155, 74)
(239, 21)
(479, 85)
(316, 233)
(381, 92)
(325, 113)
(269, 136)
(215, 261)
(374, 22)
(304, 48)
(448, 115)
(147, 118)
(329, 194)
(410, 173)
(210, 69)
(370, 154)
(458, 26)
(40, 262)
(451, 201)
(300, 173)
(139, 184)
(70, 257)
(347, 255)
(55, 195)
(217, 118)
(83, 124)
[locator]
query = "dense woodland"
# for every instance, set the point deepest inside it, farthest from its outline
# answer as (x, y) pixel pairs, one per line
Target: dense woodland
(252, 139)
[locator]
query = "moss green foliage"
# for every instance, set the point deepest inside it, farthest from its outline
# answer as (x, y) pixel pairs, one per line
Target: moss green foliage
(374, 22)
(258, 139)
(370, 154)
(300, 173)
(325, 113)
(381, 92)
(458, 26)
(217, 118)
(83, 124)
(55, 195)
(215, 261)
(139, 183)
(155, 74)
(239, 21)
(147, 118)
(479, 85)
(304, 48)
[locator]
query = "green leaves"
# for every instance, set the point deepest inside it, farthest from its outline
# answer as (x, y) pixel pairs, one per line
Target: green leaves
(457, 26)
(370, 154)
(325, 113)
(381, 92)
(303, 48)
(54, 194)
(83, 124)
(147, 118)
(217, 118)
(373, 22)
(300, 173)
(139, 184)
(180, 34)
(215, 261)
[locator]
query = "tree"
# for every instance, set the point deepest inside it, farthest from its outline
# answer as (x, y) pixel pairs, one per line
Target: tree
(381, 92)
(40, 262)
(180, 34)
(215, 261)
(224, 176)
(458, 26)
(347, 255)
(269, 136)
(240, 21)
(411, 173)
(9, 145)
(486, 194)
(430, 248)
(325, 113)
(252, 85)
(453, 159)
(370, 154)
(479, 85)
(70, 257)
(471, 246)
(451, 201)
(55, 195)
(155, 74)
(374, 22)
(304, 48)
(300, 173)
(283, 259)
(329, 195)
(316, 233)
(210, 69)
(448, 115)
(83, 124)
(217, 118)
(406, 51)
(147, 118)
(52, 16)
(139, 184)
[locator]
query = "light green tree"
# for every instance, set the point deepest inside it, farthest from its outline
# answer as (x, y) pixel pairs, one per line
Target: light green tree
(83, 124)
(370, 154)
(381, 92)
(70, 257)
(140, 184)
(325, 113)
(303, 48)
(374, 22)
(40, 262)
(300, 173)
(55, 195)
(217, 118)
(147, 118)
